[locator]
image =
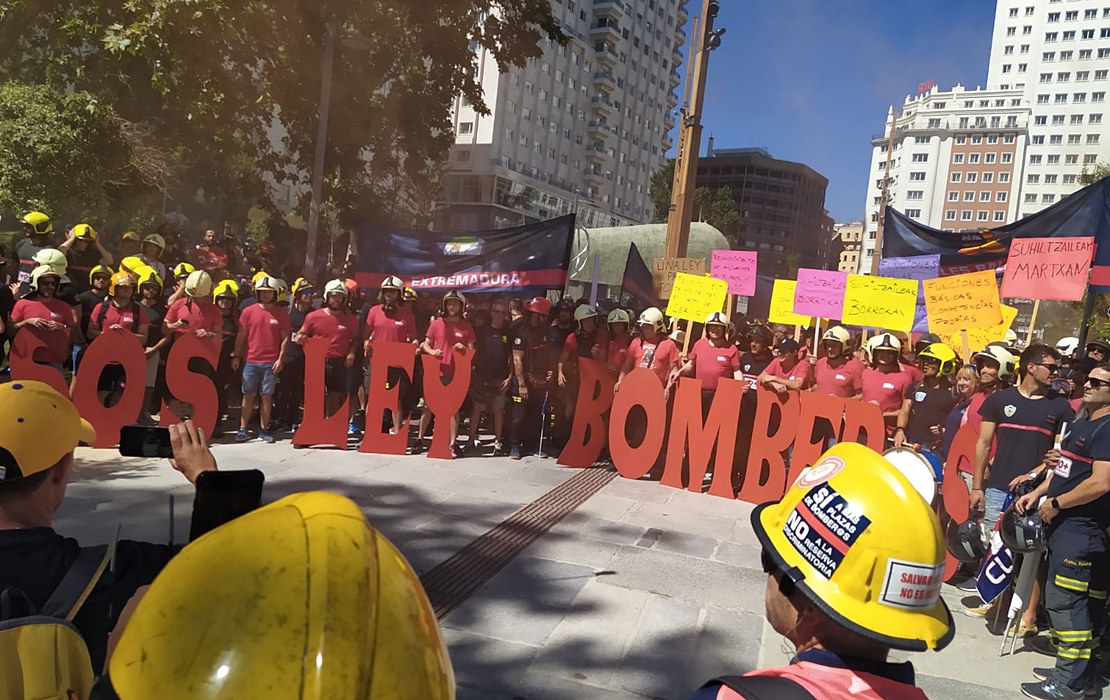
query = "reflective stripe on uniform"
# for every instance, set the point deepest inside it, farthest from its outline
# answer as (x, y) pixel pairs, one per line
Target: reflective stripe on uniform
(1071, 584)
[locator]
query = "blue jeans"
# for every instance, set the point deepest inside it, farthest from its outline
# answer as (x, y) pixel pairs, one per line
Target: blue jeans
(992, 506)
(258, 378)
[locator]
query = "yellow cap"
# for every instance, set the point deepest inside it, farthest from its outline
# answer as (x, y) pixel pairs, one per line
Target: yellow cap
(298, 600)
(864, 547)
(28, 411)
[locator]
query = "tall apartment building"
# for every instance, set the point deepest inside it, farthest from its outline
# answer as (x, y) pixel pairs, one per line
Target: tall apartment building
(957, 161)
(581, 128)
(781, 205)
(1058, 55)
(851, 236)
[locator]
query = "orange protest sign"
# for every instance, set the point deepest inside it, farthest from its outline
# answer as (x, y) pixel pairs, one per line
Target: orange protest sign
(962, 302)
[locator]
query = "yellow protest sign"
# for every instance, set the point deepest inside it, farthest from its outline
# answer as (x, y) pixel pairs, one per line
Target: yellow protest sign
(782, 305)
(663, 271)
(693, 298)
(879, 302)
(979, 338)
(962, 302)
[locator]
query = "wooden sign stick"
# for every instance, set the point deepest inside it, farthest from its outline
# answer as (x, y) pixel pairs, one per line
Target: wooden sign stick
(965, 348)
(1032, 322)
(686, 339)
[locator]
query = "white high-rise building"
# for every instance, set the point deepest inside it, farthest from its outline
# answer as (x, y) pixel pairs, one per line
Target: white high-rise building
(1058, 54)
(582, 127)
(957, 161)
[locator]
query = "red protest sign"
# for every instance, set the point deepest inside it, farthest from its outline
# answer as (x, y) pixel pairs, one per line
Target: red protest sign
(1048, 268)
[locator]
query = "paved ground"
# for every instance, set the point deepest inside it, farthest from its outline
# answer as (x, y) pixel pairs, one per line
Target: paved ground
(642, 592)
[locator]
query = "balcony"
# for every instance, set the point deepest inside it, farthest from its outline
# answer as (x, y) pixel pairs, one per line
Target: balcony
(603, 31)
(680, 36)
(609, 8)
(667, 144)
(593, 177)
(604, 80)
(597, 154)
(675, 79)
(683, 14)
(676, 58)
(608, 57)
(601, 130)
(672, 100)
(602, 105)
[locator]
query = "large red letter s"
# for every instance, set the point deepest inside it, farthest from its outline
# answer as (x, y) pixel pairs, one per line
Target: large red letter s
(191, 387)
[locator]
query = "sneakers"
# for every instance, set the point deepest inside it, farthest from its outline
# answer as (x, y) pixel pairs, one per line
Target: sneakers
(499, 449)
(476, 444)
(1022, 629)
(1043, 674)
(458, 451)
(268, 437)
(1049, 690)
(967, 585)
(417, 448)
(514, 453)
(352, 429)
(242, 435)
(980, 612)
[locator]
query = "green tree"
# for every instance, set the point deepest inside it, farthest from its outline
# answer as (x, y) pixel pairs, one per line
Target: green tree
(714, 207)
(67, 153)
(234, 87)
(1089, 176)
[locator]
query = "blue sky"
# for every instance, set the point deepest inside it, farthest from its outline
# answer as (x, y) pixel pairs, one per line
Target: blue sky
(811, 81)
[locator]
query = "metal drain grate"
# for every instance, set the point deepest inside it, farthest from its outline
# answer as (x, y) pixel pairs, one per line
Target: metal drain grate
(452, 582)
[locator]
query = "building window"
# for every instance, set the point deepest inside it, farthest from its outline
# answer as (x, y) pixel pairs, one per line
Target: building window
(950, 215)
(1061, 98)
(1079, 97)
(1048, 56)
(917, 177)
(1040, 120)
(1035, 140)
(958, 158)
(972, 177)
(982, 215)
(1092, 139)
(1035, 159)
(956, 177)
(913, 213)
(1053, 160)
(1094, 119)
(1000, 196)
(920, 158)
(1089, 159)
(1071, 159)
(1050, 179)
(1042, 99)
(988, 177)
(1003, 177)
(466, 127)
(1073, 139)
(1009, 138)
(1032, 179)
(1048, 198)
(1077, 120)
(1050, 37)
(915, 194)
(1057, 119)
(965, 215)
(1069, 179)
(973, 158)
(984, 196)
(961, 140)
(1055, 140)
(1063, 77)
(1000, 216)
(969, 196)
(989, 158)
(953, 196)
(1098, 96)
(1030, 199)
(934, 123)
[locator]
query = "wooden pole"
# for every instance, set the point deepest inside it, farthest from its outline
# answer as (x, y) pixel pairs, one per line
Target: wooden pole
(686, 339)
(1032, 322)
(689, 141)
(965, 348)
(877, 254)
(798, 333)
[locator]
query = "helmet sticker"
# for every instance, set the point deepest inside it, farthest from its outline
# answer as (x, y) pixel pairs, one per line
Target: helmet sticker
(823, 527)
(820, 473)
(910, 585)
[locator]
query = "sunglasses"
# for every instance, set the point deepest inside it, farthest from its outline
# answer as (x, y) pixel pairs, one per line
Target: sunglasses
(1052, 368)
(788, 580)
(1097, 383)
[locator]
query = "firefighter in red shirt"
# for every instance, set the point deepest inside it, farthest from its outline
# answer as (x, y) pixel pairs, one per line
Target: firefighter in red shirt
(119, 313)
(839, 372)
(390, 322)
(264, 332)
(340, 328)
(195, 313)
(448, 333)
(855, 562)
(45, 316)
(616, 349)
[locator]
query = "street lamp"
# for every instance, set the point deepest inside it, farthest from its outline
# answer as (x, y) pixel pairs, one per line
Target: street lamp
(354, 43)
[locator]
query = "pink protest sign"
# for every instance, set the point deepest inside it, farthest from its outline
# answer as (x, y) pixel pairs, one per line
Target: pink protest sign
(1048, 268)
(738, 268)
(820, 293)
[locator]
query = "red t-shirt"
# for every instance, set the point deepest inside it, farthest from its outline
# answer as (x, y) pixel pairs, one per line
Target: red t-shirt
(888, 389)
(201, 313)
(972, 418)
(52, 309)
(570, 345)
(844, 381)
(266, 330)
(339, 329)
(396, 327)
(659, 357)
(617, 352)
(914, 372)
(123, 317)
(800, 370)
(443, 335)
(209, 260)
(711, 363)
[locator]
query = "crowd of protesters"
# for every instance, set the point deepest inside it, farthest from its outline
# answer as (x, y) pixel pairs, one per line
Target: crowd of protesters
(524, 356)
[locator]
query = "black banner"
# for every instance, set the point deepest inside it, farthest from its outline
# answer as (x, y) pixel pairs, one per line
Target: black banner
(637, 281)
(1083, 213)
(523, 260)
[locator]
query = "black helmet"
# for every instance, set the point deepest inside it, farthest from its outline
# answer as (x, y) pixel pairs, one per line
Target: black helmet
(761, 332)
(965, 540)
(1098, 343)
(925, 341)
(1022, 533)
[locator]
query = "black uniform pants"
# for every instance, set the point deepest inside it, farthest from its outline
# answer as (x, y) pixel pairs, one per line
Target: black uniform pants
(290, 392)
(1075, 599)
(527, 415)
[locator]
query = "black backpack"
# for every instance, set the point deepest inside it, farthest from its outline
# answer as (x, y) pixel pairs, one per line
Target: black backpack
(762, 687)
(135, 311)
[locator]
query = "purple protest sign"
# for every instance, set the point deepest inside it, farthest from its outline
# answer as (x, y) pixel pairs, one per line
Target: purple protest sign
(738, 268)
(820, 293)
(918, 267)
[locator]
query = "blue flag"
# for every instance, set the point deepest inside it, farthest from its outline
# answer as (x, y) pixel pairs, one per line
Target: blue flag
(997, 570)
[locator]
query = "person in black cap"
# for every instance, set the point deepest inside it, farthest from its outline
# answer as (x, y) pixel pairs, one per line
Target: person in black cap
(786, 372)
(1098, 349)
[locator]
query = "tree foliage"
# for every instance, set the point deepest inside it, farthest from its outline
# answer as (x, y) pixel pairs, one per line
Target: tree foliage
(1089, 176)
(714, 207)
(235, 86)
